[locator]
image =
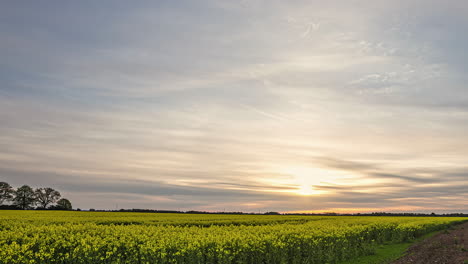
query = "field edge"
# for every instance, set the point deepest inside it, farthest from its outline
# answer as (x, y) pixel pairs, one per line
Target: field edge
(387, 253)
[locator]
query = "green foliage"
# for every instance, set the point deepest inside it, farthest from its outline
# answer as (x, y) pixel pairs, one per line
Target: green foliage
(386, 253)
(98, 237)
(63, 204)
(6, 192)
(24, 197)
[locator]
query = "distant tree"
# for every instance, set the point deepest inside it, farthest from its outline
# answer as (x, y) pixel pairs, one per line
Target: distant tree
(63, 204)
(46, 196)
(9, 207)
(6, 192)
(24, 197)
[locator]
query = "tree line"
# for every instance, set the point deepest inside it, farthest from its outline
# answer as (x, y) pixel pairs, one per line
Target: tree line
(25, 197)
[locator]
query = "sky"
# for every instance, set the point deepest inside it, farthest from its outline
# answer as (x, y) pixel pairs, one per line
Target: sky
(249, 105)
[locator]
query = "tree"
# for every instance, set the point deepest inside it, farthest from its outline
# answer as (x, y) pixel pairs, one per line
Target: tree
(64, 204)
(46, 196)
(6, 192)
(24, 197)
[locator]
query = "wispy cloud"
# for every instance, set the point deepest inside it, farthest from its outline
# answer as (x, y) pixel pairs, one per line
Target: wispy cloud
(235, 106)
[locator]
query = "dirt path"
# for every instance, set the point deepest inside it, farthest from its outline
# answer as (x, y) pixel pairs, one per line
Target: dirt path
(446, 247)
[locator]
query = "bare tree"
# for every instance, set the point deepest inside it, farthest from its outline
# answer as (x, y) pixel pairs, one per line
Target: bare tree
(46, 196)
(6, 192)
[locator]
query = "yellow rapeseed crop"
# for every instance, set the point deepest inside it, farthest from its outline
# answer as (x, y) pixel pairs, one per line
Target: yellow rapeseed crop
(110, 237)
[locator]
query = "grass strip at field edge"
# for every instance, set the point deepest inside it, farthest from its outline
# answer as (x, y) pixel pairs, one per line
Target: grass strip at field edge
(387, 253)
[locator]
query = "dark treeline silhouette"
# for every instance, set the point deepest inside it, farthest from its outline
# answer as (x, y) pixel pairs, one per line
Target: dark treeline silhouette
(277, 213)
(25, 197)
(386, 214)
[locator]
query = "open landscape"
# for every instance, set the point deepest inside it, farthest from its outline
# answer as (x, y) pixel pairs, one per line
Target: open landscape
(113, 237)
(234, 132)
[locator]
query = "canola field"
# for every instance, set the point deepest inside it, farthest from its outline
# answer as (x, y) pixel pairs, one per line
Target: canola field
(114, 237)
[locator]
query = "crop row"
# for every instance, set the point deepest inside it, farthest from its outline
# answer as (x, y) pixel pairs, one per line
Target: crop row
(314, 240)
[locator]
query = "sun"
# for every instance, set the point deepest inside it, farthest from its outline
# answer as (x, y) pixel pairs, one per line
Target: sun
(305, 178)
(306, 190)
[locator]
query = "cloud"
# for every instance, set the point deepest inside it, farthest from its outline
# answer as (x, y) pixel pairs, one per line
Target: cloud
(154, 101)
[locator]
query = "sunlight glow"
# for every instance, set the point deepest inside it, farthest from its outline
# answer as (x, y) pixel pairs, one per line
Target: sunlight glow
(307, 190)
(308, 177)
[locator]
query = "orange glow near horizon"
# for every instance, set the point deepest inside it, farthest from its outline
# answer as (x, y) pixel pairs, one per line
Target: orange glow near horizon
(360, 210)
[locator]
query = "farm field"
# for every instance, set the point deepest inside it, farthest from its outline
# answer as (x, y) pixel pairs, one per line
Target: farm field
(112, 237)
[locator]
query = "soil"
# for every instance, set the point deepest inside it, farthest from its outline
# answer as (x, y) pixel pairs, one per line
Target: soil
(447, 247)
